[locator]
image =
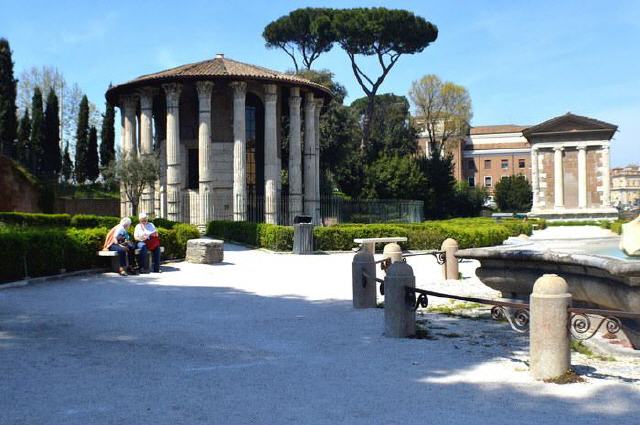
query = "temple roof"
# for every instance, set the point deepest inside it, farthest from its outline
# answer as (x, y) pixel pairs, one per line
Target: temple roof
(568, 123)
(496, 129)
(218, 68)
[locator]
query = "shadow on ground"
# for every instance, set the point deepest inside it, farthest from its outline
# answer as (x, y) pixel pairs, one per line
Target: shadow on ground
(111, 350)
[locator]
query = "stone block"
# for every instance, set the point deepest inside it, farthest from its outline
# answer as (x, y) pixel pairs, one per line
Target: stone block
(205, 251)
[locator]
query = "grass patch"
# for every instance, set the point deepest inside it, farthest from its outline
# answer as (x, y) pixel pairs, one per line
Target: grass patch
(569, 377)
(579, 347)
(454, 307)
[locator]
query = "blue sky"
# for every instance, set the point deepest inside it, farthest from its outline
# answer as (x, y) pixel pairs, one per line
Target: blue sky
(523, 62)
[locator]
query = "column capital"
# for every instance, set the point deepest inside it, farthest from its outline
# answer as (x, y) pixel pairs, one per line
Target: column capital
(270, 93)
(294, 92)
(581, 147)
(309, 102)
(146, 97)
(204, 88)
(172, 90)
(239, 88)
(319, 102)
(605, 148)
(129, 102)
(295, 102)
(558, 148)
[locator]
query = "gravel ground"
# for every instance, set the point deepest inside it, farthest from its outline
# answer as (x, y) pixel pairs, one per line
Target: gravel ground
(272, 339)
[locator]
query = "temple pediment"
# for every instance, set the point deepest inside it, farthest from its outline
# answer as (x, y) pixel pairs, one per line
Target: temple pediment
(570, 123)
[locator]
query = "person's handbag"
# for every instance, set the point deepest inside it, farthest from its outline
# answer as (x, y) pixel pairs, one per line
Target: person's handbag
(152, 243)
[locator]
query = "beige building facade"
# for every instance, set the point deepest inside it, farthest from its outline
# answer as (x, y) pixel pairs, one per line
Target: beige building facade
(566, 160)
(625, 186)
(216, 127)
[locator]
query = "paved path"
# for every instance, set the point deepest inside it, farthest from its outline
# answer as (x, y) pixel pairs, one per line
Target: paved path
(271, 339)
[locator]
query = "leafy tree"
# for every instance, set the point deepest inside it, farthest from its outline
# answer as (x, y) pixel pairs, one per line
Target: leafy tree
(36, 138)
(8, 117)
(439, 197)
(514, 194)
(133, 172)
(67, 165)
(395, 177)
(93, 170)
(468, 200)
(52, 160)
(107, 136)
(444, 109)
(307, 31)
(24, 132)
(385, 34)
(82, 141)
(391, 130)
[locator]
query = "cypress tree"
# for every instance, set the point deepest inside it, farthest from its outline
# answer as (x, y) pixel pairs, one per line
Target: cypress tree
(67, 165)
(93, 170)
(52, 160)
(24, 132)
(82, 141)
(36, 138)
(107, 136)
(8, 117)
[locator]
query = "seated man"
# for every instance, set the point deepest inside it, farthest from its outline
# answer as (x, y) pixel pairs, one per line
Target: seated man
(148, 239)
(118, 240)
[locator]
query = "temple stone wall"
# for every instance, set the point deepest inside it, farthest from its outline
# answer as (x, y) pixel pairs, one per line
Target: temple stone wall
(594, 178)
(570, 168)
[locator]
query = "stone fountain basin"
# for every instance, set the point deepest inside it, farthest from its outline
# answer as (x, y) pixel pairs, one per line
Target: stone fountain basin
(595, 281)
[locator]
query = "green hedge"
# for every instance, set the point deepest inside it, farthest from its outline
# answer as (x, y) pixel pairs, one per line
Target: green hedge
(35, 220)
(87, 220)
(472, 232)
(270, 236)
(40, 252)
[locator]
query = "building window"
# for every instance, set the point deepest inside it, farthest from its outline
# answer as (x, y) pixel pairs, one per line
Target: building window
(487, 164)
(471, 165)
(472, 181)
(521, 163)
(488, 181)
(193, 175)
(504, 164)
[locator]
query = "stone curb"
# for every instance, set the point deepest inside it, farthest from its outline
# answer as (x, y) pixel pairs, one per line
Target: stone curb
(35, 280)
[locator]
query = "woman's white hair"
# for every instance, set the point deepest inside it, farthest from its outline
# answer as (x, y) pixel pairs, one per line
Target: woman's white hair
(126, 221)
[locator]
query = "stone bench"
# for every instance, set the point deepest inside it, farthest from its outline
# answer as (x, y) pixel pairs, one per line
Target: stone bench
(369, 244)
(115, 262)
(205, 251)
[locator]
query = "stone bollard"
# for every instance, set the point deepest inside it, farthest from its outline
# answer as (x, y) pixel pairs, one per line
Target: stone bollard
(393, 251)
(450, 266)
(399, 315)
(549, 348)
(363, 297)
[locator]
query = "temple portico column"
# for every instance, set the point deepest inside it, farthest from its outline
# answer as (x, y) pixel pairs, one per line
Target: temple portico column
(239, 152)
(205, 152)
(606, 177)
(146, 145)
(558, 177)
(271, 171)
(130, 132)
(174, 180)
(310, 171)
(535, 179)
(316, 126)
(582, 177)
(123, 197)
(295, 155)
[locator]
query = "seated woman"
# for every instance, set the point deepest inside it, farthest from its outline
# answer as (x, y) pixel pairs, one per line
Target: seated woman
(147, 238)
(118, 240)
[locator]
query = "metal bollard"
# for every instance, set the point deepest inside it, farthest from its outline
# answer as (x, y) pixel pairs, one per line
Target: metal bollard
(399, 313)
(363, 290)
(550, 349)
(450, 266)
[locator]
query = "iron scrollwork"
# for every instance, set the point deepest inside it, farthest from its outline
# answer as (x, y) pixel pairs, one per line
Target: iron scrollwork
(581, 328)
(518, 318)
(441, 257)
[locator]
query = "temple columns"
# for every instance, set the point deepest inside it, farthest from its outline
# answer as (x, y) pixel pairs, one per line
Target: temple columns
(239, 152)
(130, 143)
(535, 181)
(271, 169)
(205, 152)
(582, 177)
(558, 177)
(317, 218)
(295, 155)
(146, 145)
(606, 177)
(310, 171)
(174, 180)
